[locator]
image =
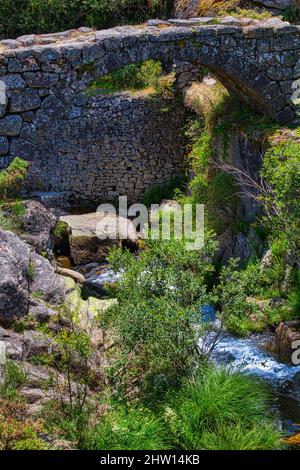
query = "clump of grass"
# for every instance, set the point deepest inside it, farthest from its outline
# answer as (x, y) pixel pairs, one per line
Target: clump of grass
(12, 178)
(201, 414)
(128, 429)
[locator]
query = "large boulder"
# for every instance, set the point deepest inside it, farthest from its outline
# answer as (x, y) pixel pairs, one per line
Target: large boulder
(35, 226)
(14, 280)
(25, 275)
(45, 283)
(92, 235)
(38, 225)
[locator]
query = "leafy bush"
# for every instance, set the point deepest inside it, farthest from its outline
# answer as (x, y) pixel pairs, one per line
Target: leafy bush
(281, 171)
(168, 190)
(17, 430)
(14, 378)
(199, 414)
(159, 297)
(46, 16)
(12, 179)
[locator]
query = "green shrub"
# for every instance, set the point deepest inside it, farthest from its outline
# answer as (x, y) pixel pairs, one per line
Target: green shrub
(281, 171)
(17, 430)
(168, 190)
(158, 304)
(46, 16)
(12, 179)
(291, 14)
(127, 429)
(15, 377)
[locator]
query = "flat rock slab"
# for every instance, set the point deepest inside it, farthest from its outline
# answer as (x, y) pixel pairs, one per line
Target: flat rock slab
(92, 235)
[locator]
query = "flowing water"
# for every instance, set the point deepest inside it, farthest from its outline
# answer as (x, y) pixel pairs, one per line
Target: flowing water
(250, 357)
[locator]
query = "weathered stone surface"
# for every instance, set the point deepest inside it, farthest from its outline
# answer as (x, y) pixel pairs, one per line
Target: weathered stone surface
(37, 225)
(14, 266)
(36, 343)
(24, 101)
(25, 275)
(92, 235)
(10, 125)
(45, 283)
(4, 146)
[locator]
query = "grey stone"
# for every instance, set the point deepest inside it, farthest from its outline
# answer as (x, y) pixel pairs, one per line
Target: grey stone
(37, 226)
(24, 101)
(4, 146)
(14, 266)
(45, 283)
(10, 125)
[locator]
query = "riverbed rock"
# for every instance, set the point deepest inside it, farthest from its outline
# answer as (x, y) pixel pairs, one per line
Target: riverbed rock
(287, 333)
(92, 235)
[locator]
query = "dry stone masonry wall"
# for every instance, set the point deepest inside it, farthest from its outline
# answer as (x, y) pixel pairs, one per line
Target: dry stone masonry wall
(123, 145)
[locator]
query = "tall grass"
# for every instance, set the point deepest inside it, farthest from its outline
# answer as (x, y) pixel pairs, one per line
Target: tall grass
(222, 410)
(219, 410)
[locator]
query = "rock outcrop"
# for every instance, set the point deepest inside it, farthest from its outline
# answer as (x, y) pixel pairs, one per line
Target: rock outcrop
(25, 276)
(92, 235)
(14, 281)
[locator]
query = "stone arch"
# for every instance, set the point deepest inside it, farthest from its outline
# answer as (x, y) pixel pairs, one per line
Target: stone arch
(45, 78)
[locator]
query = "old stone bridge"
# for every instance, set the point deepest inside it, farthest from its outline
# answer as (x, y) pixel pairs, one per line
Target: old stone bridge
(46, 116)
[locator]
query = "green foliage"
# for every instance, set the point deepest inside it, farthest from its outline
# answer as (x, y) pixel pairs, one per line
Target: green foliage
(61, 229)
(291, 14)
(123, 428)
(167, 190)
(238, 437)
(281, 171)
(46, 16)
(158, 303)
(199, 414)
(12, 179)
(232, 296)
(14, 378)
(251, 13)
(11, 215)
(134, 77)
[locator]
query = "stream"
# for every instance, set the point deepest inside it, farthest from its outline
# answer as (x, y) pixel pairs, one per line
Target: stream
(250, 357)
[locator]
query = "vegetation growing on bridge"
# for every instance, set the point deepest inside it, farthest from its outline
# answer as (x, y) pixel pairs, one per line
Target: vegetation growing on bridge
(147, 76)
